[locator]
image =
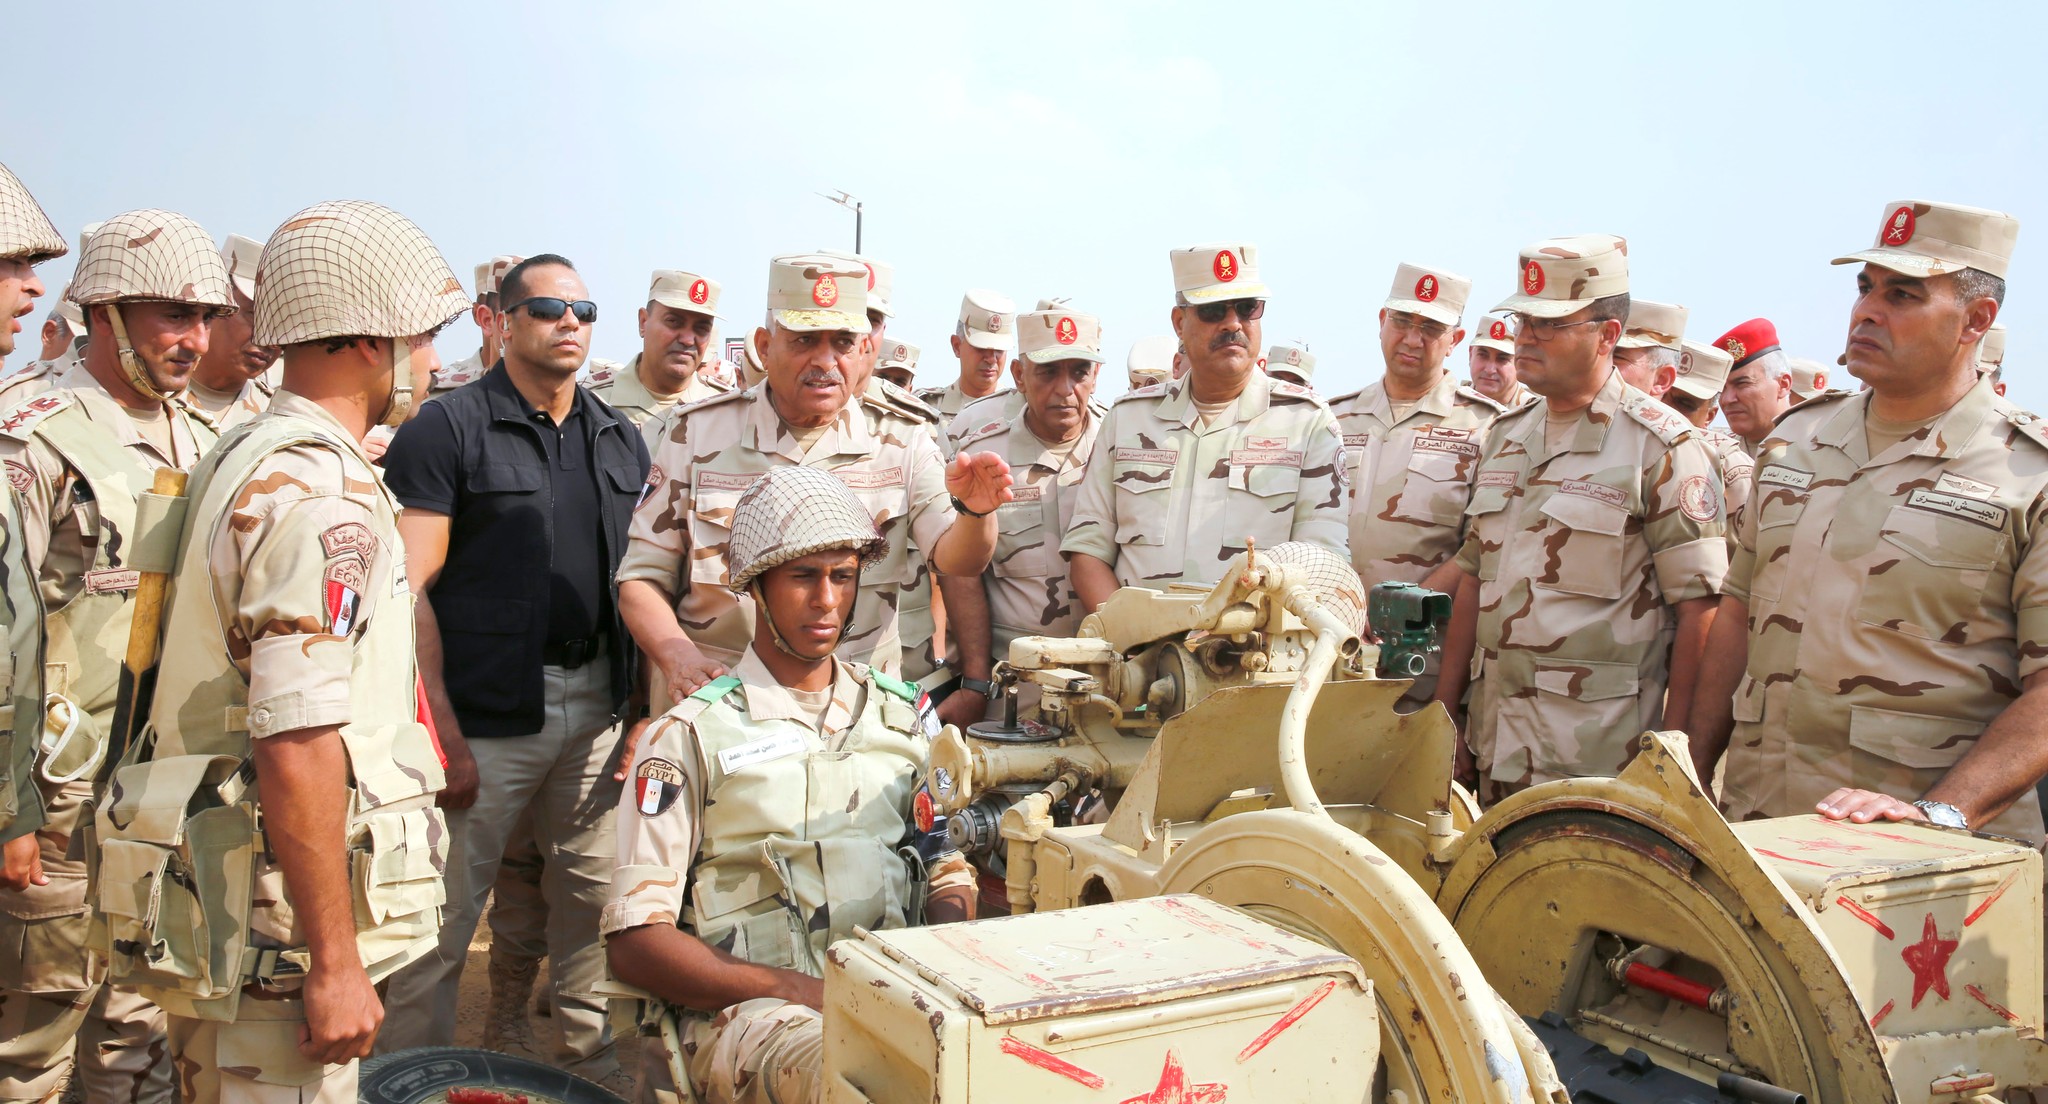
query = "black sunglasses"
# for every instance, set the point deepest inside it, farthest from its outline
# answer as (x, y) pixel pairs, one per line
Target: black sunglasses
(1248, 310)
(547, 308)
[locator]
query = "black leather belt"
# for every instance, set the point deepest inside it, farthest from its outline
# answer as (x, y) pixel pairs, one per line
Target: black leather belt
(572, 654)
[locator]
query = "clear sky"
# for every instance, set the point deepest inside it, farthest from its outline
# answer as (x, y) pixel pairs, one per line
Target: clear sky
(1064, 149)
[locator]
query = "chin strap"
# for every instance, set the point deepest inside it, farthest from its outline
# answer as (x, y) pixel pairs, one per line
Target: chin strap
(132, 368)
(400, 399)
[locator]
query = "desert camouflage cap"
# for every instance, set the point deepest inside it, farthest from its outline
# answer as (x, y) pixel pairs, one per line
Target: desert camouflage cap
(899, 354)
(1654, 325)
(1561, 276)
(818, 292)
(1808, 377)
(1991, 347)
(881, 279)
(1430, 292)
(26, 232)
(1702, 370)
(1291, 358)
(1497, 332)
(72, 315)
(491, 273)
(241, 254)
(988, 320)
(684, 291)
(150, 254)
(1045, 336)
(1152, 357)
(791, 512)
(1219, 270)
(1923, 239)
(351, 268)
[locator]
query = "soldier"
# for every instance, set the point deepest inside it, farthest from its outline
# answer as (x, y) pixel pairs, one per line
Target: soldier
(1651, 342)
(1186, 475)
(1028, 587)
(1809, 378)
(737, 1006)
(81, 455)
(230, 386)
(1991, 356)
(1293, 363)
(898, 363)
(485, 313)
(1594, 544)
(1879, 651)
(27, 239)
(1760, 385)
(1152, 360)
(1002, 405)
(1702, 372)
(38, 376)
(290, 624)
(1491, 359)
(675, 364)
(812, 409)
(984, 335)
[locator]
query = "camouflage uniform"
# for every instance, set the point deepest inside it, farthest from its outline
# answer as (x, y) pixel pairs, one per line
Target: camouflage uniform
(915, 622)
(623, 390)
(467, 370)
(1580, 552)
(1412, 478)
(1924, 582)
(224, 412)
(714, 450)
(949, 400)
(1167, 499)
(1738, 469)
(38, 376)
(1030, 585)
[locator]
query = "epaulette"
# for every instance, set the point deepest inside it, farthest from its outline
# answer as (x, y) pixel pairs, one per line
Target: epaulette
(1815, 403)
(674, 412)
(721, 385)
(896, 686)
(1149, 391)
(600, 376)
(1657, 418)
(1293, 391)
(264, 385)
(892, 398)
(2029, 424)
(1472, 397)
(717, 688)
(1337, 400)
(20, 422)
(928, 395)
(981, 432)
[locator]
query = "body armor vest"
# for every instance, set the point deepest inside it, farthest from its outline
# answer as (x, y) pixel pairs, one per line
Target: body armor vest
(192, 904)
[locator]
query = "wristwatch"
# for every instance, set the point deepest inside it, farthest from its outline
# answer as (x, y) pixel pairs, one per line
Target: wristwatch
(984, 687)
(1944, 814)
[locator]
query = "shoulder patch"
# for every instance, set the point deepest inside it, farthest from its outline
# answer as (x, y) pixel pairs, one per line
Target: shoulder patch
(1657, 418)
(1470, 397)
(20, 422)
(981, 433)
(716, 689)
(1149, 391)
(601, 377)
(2029, 425)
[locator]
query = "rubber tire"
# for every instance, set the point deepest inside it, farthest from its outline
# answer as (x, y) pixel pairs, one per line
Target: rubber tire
(412, 1076)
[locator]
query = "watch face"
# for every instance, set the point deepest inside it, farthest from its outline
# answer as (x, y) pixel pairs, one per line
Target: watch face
(1948, 816)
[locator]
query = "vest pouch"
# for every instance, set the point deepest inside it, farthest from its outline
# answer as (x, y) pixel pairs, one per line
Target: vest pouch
(745, 911)
(399, 885)
(391, 763)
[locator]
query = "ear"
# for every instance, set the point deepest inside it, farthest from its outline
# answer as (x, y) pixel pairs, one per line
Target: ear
(643, 321)
(481, 315)
(1457, 336)
(761, 336)
(1666, 376)
(1017, 373)
(1610, 337)
(1175, 319)
(1978, 315)
(957, 346)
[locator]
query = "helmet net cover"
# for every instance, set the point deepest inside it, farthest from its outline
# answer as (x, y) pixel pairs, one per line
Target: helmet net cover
(1327, 575)
(26, 232)
(150, 255)
(351, 268)
(792, 512)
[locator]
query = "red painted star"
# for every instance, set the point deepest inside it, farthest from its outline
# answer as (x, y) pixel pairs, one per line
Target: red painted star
(1928, 959)
(1174, 1088)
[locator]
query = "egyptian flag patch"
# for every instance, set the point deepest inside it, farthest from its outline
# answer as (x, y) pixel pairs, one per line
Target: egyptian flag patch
(656, 785)
(342, 603)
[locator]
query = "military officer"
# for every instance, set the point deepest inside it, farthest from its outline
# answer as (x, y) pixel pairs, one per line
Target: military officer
(1594, 544)
(485, 313)
(1695, 392)
(737, 1006)
(1001, 405)
(230, 386)
(1184, 476)
(1028, 584)
(1809, 378)
(41, 374)
(810, 410)
(290, 600)
(898, 363)
(1292, 362)
(1651, 341)
(27, 239)
(1413, 438)
(982, 340)
(1759, 387)
(1491, 359)
(1152, 360)
(675, 364)
(1879, 651)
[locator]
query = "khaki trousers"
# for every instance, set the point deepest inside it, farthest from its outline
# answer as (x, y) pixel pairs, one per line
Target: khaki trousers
(256, 1059)
(762, 1051)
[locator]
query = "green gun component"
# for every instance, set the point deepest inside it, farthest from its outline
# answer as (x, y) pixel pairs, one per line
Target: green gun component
(1409, 622)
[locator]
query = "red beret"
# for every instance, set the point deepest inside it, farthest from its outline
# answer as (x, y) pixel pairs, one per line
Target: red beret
(1748, 341)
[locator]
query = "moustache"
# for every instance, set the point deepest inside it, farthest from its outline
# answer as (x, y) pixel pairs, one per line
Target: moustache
(818, 377)
(1226, 340)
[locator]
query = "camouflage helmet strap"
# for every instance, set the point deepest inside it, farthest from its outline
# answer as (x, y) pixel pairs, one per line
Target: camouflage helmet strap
(132, 368)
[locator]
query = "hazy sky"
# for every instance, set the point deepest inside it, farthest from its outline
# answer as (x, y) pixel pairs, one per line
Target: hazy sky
(1064, 149)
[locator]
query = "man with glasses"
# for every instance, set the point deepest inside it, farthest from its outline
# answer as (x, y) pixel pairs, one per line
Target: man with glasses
(1491, 359)
(676, 363)
(1186, 476)
(1414, 440)
(517, 493)
(1759, 387)
(1593, 551)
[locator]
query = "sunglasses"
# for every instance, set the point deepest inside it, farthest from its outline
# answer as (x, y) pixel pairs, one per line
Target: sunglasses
(1248, 310)
(547, 308)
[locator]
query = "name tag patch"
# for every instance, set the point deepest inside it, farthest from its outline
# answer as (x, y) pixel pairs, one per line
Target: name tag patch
(1357, 440)
(1599, 492)
(1785, 477)
(1245, 458)
(1987, 514)
(1495, 478)
(1452, 446)
(726, 481)
(1025, 494)
(869, 479)
(764, 750)
(1147, 456)
(111, 579)
(656, 785)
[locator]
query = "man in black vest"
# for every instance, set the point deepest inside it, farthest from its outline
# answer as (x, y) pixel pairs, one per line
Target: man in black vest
(517, 493)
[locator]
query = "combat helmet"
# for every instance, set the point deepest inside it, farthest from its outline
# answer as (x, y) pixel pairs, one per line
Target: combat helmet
(792, 512)
(148, 255)
(26, 232)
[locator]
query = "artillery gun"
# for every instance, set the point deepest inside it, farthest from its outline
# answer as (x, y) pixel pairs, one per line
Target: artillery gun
(1598, 940)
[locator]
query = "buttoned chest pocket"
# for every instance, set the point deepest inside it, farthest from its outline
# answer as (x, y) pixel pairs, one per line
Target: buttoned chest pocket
(1928, 576)
(711, 532)
(1488, 514)
(1261, 503)
(1021, 537)
(1143, 497)
(1580, 546)
(1438, 480)
(504, 479)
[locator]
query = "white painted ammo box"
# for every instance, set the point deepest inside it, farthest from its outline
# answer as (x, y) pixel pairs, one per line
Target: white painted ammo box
(1163, 999)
